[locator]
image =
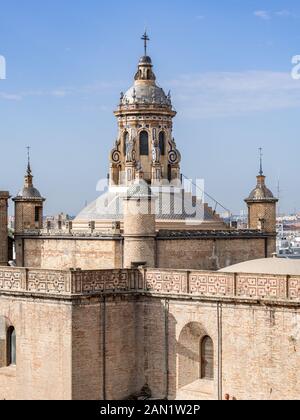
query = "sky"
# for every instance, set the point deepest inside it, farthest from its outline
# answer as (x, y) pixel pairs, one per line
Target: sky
(227, 63)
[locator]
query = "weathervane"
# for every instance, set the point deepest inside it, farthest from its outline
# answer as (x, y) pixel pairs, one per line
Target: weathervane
(145, 38)
(261, 172)
(28, 158)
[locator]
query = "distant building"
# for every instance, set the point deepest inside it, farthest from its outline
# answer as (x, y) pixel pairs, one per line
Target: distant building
(57, 223)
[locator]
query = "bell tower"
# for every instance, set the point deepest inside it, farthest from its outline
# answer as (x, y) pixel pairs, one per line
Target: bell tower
(28, 206)
(145, 122)
(262, 205)
(4, 197)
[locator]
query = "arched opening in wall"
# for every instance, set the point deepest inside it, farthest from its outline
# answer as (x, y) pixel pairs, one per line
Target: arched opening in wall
(11, 346)
(144, 143)
(207, 358)
(195, 361)
(162, 143)
(125, 142)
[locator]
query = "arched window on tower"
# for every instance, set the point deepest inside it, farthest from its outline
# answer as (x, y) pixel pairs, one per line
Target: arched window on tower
(125, 141)
(144, 143)
(162, 143)
(11, 346)
(207, 358)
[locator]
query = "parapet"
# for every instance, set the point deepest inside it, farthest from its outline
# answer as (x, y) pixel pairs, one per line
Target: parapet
(175, 284)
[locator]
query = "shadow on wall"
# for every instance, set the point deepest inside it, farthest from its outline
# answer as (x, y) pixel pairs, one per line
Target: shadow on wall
(175, 369)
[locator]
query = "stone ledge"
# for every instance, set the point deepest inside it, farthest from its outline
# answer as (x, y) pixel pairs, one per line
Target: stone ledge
(10, 371)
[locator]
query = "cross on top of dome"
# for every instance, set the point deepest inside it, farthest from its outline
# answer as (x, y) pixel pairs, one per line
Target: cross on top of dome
(146, 39)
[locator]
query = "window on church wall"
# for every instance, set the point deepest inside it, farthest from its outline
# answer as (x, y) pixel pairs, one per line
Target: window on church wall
(125, 141)
(162, 143)
(169, 173)
(144, 143)
(207, 358)
(11, 346)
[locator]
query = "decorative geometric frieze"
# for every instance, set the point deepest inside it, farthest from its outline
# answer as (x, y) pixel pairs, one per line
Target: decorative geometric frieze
(261, 287)
(195, 283)
(294, 288)
(12, 280)
(202, 284)
(103, 281)
(50, 282)
(166, 281)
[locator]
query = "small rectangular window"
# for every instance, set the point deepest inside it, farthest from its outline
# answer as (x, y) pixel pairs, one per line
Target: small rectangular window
(37, 214)
(11, 346)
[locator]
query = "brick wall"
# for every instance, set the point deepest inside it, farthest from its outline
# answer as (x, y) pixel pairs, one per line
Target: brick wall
(69, 253)
(25, 215)
(265, 211)
(89, 254)
(43, 331)
(139, 233)
(145, 327)
(209, 254)
(4, 196)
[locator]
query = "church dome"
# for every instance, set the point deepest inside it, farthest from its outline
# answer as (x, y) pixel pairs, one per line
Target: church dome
(145, 91)
(261, 192)
(145, 94)
(274, 266)
(29, 192)
(145, 60)
(139, 190)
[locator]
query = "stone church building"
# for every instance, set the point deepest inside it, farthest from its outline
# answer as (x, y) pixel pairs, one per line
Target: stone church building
(133, 296)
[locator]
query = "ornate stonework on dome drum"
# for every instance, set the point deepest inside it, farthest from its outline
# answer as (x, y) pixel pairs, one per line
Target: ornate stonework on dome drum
(145, 116)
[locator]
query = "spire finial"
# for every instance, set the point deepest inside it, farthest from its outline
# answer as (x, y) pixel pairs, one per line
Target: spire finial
(261, 172)
(145, 38)
(28, 161)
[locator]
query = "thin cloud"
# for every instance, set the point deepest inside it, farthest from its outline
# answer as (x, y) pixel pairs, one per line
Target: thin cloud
(10, 96)
(268, 15)
(226, 94)
(262, 14)
(63, 92)
(205, 95)
(60, 93)
(284, 13)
